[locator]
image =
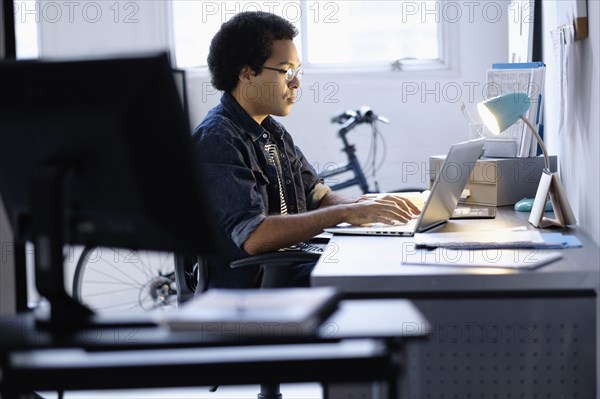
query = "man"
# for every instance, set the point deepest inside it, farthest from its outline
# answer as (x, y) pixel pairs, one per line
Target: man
(266, 194)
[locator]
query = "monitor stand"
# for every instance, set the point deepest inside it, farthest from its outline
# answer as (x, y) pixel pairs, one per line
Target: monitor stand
(49, 226)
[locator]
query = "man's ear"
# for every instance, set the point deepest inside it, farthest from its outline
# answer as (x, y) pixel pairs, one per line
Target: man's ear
(246, 73)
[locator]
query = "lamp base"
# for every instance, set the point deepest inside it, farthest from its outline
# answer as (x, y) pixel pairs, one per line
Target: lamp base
(550, 184)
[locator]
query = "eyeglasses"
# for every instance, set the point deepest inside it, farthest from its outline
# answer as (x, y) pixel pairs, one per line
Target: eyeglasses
(289, 73)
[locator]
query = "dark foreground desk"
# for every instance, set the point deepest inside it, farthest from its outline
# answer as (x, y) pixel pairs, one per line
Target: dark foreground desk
(496, 333)
(343, 349)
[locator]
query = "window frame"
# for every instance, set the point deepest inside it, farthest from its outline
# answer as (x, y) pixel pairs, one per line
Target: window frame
(446, 65)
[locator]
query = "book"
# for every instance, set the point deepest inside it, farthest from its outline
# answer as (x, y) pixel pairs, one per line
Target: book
(261, 312)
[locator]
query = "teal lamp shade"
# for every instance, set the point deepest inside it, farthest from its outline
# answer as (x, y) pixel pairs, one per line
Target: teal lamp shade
(500, 113)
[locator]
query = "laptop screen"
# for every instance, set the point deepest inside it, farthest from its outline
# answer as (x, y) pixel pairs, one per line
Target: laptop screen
(449, 183)
(442, 200)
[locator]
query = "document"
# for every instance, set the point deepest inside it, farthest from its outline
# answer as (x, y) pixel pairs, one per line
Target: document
(497, 239)
(528, 259)
(491, 239)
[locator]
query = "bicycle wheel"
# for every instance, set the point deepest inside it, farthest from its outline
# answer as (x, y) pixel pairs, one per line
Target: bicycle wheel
(116, 280)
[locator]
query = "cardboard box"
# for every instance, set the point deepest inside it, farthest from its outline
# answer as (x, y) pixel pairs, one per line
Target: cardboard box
(499, 181)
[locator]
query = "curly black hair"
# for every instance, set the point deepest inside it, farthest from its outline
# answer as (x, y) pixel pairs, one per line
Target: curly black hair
(245, 40)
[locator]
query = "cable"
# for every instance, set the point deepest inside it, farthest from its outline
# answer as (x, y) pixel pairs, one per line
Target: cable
(371, 166)
(349, 119)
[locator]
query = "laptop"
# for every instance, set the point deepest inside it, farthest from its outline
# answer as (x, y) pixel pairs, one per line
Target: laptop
(442, 200)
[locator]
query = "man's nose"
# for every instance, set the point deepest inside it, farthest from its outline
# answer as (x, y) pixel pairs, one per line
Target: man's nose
(294, 83)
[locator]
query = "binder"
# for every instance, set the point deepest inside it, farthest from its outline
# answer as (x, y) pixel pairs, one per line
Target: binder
(518, 65)
(526, 77)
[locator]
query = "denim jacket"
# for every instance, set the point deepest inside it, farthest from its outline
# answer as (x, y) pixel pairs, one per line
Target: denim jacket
(230, 147)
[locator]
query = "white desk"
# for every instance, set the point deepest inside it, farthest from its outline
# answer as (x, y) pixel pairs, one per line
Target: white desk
(495, 331)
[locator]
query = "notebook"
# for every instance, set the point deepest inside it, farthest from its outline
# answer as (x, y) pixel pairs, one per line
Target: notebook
(442, 200)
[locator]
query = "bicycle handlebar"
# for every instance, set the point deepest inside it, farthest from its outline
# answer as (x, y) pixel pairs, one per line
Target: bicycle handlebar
(349, 124)
(350, 118)
(344, 116)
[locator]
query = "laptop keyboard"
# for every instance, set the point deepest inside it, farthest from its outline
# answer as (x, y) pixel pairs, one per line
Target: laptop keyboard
(306, 247)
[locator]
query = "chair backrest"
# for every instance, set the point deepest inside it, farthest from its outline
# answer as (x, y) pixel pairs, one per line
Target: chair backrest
(191, 272)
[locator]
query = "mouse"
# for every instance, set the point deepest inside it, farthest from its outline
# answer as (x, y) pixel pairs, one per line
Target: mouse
(525, 205)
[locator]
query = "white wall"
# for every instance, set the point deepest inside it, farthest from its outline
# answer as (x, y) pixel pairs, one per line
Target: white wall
(97, 28)
(578, 143)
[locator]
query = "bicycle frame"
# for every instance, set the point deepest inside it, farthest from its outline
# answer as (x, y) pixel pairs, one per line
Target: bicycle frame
(350, 119)
(352, 165)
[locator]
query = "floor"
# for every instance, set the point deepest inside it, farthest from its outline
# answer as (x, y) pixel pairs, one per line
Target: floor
(289, 391)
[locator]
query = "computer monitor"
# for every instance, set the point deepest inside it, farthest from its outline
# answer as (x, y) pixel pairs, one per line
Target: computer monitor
(98, 152)
(8, 43)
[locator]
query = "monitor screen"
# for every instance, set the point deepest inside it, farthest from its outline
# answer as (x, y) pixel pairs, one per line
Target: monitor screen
(114, 134)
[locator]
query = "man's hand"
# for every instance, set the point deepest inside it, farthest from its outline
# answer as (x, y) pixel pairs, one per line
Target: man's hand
(280, 231)
(390, 209)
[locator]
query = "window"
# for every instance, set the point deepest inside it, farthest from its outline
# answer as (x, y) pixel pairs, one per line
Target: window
(27, 19)
(350, 33)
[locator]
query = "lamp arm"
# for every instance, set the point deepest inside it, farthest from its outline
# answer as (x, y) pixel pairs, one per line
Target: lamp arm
(540, 142)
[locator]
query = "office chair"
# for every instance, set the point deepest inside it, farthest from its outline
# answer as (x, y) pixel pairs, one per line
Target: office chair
(191, 272)
(191, 276)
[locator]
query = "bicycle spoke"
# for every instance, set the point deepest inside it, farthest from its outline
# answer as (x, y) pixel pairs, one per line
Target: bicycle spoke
(146, 260)
(112, 266)
(137, 283)
(134, 281)
(126, 263)
(106, 293)
(142, 267)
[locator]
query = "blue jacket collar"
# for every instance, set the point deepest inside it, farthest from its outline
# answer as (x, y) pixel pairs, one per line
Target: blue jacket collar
(253, 129)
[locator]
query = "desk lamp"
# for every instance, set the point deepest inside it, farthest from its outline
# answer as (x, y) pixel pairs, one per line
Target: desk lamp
(498, 114)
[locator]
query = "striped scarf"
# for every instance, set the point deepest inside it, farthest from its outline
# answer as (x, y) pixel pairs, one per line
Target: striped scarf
(271, 148)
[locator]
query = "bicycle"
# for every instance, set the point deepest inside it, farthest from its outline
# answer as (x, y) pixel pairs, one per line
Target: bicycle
(349, 120)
